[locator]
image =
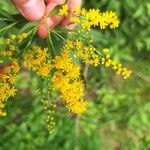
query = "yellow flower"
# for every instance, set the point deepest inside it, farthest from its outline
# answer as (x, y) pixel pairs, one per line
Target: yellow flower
(75, 19)
(12, 47)
(12, 79)
(78, 106)
(22, 37)
(76, 10)
(87, 53)
(13, 37)
(11, 92)
(118, 67)
(44, 69)
(8, 41)
(64, 10)
(105, 50)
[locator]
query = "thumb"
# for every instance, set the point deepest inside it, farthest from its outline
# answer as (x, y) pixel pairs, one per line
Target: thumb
(32, 10)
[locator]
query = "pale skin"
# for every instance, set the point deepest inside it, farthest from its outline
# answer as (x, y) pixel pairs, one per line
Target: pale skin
(39, 10)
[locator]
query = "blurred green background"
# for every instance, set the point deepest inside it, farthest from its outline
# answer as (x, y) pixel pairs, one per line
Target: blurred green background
(118, 117)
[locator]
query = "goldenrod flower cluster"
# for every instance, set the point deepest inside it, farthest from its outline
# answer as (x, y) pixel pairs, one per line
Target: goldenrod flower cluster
(64, 10)
(118, 67)
(87, 53)
(9, 69)
(37, 59)
(96, 18)
(90, 56)
(67, 80)
(65, 72)
(7, 80)
(91, 18)
(50, 110)
(11, 46)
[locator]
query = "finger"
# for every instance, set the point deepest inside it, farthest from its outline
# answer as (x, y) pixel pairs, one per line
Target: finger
(60, 2)
(43, 28)
(73, 4)
(32, 10)
(51, 4)
(71, 26)
(50, 22)
(66, 21)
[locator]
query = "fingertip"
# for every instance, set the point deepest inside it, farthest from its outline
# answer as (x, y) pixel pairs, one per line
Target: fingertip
(59, 2)
(74, 3)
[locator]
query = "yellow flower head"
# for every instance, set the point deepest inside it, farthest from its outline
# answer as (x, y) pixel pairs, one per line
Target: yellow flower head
(64, 10)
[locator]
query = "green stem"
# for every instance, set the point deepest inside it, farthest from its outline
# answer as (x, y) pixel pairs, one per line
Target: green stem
(50, 40)
(30, 41)
(34, 31)
(76, 134)
(51, 43)
(58, 35)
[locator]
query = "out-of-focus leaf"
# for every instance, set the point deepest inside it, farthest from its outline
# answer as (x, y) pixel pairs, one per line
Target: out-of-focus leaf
(28, 26)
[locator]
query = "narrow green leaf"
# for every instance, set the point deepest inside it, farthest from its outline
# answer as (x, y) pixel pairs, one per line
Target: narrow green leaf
(28, 26)
(5, 14)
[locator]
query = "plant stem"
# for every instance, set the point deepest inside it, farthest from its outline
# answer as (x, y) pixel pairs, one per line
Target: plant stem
(77, 120)
(58, 35)
(86, 69)
(51, 43)
(50, 40)
(77, 124)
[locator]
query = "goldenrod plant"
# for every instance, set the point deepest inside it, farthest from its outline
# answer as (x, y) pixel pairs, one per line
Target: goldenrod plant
(58, 64)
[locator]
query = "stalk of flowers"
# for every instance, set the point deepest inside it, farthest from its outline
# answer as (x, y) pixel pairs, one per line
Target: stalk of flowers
(67, 80)
(65, 74)
(118, 67)
(7, 80)
(9, 69)
(11, 46)
(90, 18)
(86, 52)
(50, 114)
(90, 55)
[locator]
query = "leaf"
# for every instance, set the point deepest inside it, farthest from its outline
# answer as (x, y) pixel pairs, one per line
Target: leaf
(6, 28)
(28, 26)
(5, 14)
(139, 12)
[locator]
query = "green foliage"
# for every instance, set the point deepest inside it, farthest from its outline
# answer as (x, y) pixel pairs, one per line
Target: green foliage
(118, 116)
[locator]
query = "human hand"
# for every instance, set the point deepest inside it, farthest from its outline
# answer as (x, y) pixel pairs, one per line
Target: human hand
(39, 10)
